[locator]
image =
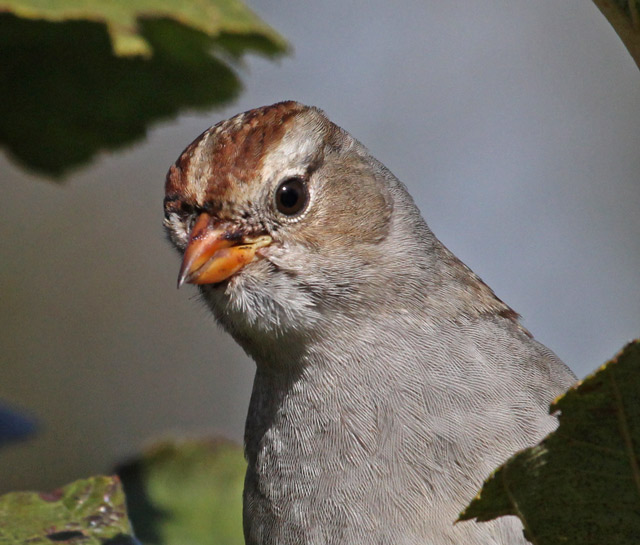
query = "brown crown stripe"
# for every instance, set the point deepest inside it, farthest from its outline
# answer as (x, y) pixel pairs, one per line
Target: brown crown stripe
(232, 151)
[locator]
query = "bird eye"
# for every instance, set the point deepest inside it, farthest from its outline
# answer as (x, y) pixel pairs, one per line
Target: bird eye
(291, 196)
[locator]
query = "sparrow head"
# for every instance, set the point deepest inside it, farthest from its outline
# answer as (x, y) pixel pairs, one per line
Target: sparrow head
(284, 219)
(279, 214)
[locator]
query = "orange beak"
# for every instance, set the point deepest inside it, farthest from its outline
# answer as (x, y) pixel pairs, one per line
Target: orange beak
(215, 252)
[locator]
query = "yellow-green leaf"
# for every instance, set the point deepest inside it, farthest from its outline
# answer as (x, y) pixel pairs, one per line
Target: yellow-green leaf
(187, 493)
(88, 512)
(122, 17)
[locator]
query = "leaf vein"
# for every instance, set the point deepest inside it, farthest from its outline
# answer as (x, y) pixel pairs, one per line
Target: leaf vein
(626, 433)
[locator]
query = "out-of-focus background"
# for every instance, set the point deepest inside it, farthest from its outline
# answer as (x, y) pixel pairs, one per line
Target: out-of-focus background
(515, 125)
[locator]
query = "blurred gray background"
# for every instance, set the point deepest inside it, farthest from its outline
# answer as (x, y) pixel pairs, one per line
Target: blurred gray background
(515, 125)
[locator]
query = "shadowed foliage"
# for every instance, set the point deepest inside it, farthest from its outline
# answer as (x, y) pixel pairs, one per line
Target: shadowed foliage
(581, 484)
(624, 17)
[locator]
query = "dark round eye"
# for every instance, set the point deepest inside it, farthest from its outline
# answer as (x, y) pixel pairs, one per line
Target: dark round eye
(291, 196)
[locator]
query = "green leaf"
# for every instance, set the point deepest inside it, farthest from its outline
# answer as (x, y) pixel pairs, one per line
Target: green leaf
(122, 18)
(187, 493)
(624, 17)
(65, 95)
(581, 484)
(88, 512)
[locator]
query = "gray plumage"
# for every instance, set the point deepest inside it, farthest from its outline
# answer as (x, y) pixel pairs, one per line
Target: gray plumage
(390, 379)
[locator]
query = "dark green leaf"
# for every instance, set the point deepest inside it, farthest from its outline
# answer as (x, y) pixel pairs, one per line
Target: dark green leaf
(581, 484)
(65, 95)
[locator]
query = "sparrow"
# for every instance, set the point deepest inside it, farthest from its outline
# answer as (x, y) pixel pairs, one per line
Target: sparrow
(390, 380)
